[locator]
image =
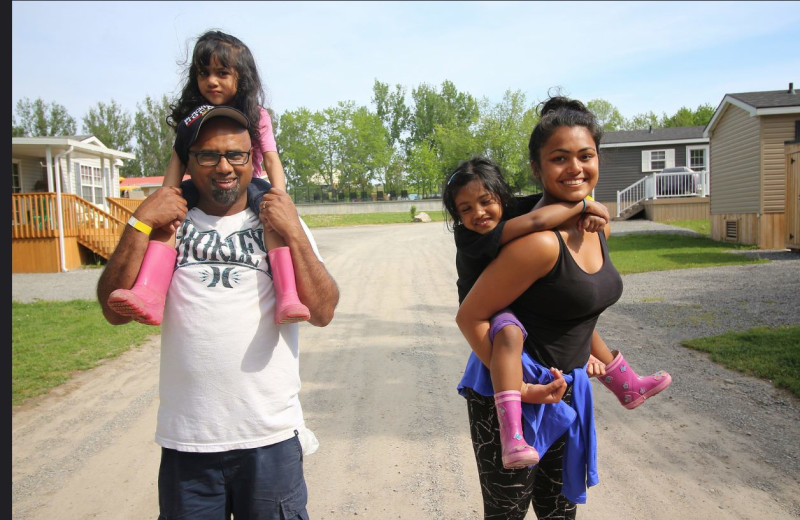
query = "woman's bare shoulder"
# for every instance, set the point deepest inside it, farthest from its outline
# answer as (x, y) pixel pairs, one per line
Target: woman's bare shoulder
(541, 246)
(539, 238)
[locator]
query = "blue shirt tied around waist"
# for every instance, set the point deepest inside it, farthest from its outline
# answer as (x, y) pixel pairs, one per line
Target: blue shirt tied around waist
(543, 424)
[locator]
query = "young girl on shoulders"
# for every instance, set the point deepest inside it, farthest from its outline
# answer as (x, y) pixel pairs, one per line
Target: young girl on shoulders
(222, 71)
(484, 216)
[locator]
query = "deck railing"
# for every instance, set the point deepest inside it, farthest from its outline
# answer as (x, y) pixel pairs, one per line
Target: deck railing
(663, 185)
(122, 209)
(632, 195)
(33, 215)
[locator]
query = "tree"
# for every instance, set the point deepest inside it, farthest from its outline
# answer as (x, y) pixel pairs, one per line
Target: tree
(504, 130)
(683, 117)
(299, 147)
(424, 166)
(529, 120)
(327, 125)
(642, 121)
(688, 117)
(39, 119)
(392, 110)
(445, 121)
(370, 147)
(703, 114)
(448, 109)
(364, 152)
(154, 138)
(16, 130)
(607, 114)
(424, 116)
(394, 174)
(453, 144)
(112, 126)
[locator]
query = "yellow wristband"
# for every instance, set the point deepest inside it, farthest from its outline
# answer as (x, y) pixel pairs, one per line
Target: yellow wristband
(139, 225)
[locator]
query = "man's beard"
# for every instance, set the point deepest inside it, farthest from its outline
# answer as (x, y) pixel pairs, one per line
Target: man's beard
(225, 197)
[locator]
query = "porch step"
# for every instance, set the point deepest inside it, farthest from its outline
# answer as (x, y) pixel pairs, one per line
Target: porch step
(101, 244)
(630, 212)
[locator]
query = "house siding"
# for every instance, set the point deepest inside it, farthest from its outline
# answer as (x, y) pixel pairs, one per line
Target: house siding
(31, 171)
(775, 131)
(735, 163)
(31, 156)
(621, 167)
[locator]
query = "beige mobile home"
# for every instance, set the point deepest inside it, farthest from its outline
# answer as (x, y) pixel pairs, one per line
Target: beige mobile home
(748, 136)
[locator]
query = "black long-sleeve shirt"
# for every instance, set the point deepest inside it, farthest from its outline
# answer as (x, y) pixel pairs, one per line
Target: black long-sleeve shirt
(475, 251)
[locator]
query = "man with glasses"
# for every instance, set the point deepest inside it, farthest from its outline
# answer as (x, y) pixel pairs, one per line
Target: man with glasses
(229, 422)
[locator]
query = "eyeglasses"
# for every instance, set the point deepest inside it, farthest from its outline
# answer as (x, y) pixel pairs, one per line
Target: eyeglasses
(212, 158)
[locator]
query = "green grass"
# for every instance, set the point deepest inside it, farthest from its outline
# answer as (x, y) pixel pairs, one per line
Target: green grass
(640, 253)
(702, 226)
(361, 219)
(52, 340)
(768, 353)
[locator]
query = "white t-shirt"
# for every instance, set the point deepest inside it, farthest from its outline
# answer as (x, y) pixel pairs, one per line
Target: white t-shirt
(229, 376)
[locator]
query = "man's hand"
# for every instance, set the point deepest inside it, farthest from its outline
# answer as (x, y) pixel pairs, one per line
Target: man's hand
(278, 213)
(164, 209)
(545, 394)
(315, 286)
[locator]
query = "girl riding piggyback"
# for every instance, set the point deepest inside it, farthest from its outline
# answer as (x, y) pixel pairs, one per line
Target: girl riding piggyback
(222, 71)
(485, 216)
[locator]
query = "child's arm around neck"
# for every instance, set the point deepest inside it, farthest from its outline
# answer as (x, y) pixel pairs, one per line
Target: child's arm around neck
(548, 217)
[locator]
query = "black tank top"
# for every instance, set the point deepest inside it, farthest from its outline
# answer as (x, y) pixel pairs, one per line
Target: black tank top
(560, 310)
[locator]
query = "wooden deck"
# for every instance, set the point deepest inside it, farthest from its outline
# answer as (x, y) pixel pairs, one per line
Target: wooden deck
(86, 230)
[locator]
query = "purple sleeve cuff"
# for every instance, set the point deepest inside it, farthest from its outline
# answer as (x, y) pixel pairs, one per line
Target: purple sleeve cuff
(503, 319)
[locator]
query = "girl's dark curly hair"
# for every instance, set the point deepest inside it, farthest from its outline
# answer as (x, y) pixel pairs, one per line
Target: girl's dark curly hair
(484, 170)
(231, 53)
(560, 111)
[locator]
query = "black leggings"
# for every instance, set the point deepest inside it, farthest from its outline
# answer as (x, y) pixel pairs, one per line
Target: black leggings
(508, 493)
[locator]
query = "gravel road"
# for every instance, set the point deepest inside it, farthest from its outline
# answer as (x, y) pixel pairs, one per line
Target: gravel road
(379, 392)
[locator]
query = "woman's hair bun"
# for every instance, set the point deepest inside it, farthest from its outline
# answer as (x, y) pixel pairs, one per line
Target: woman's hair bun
(560, 102)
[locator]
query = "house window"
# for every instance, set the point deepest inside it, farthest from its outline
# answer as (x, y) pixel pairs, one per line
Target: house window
(91, 184)
(16, 182)
(697, 158)
(657, 160)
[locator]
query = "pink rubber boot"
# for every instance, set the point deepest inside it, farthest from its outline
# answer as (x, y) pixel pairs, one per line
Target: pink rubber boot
(630, 388)
(144, 302)
(516, 452)
(288, 308)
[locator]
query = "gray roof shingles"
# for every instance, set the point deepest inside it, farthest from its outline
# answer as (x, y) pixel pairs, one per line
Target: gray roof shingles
(657, 134)
(770, 98)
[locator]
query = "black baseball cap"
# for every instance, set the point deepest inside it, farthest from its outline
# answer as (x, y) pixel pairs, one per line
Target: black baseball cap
(189, 128)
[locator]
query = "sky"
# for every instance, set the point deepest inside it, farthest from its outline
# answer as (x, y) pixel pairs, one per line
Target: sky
(640, 56)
